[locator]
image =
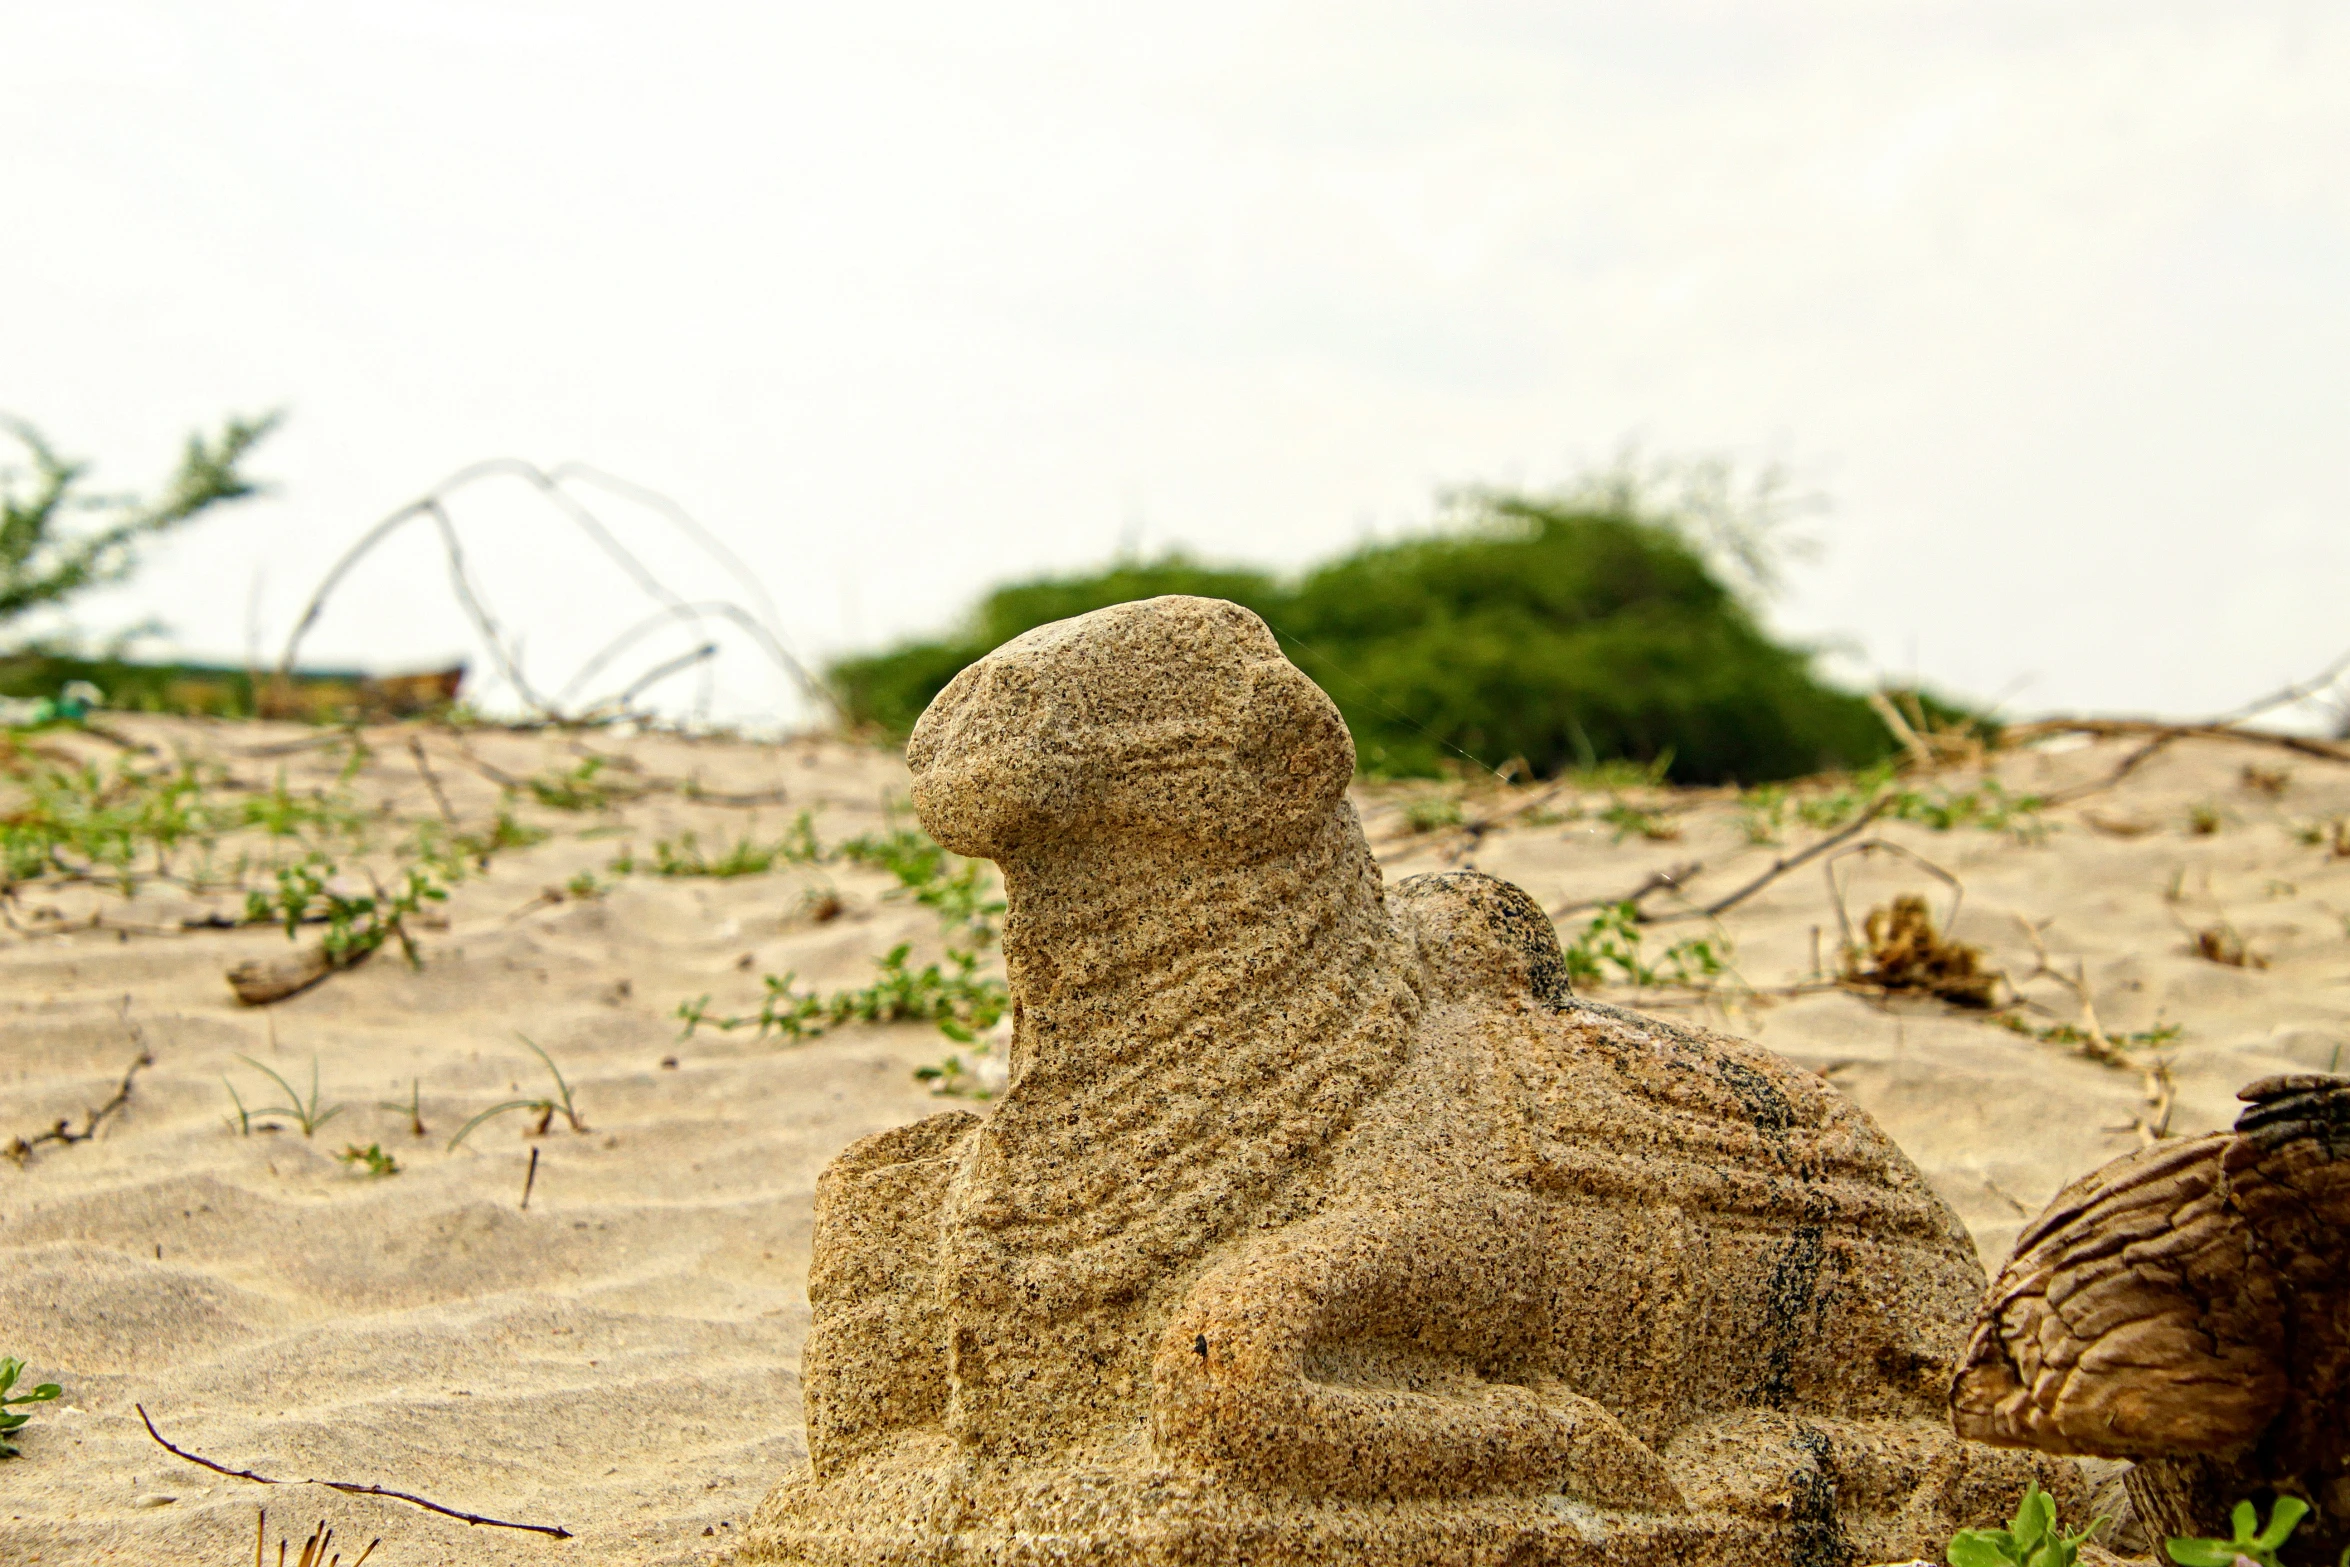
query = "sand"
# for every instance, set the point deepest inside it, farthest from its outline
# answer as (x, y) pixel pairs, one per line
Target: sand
(620, 1359)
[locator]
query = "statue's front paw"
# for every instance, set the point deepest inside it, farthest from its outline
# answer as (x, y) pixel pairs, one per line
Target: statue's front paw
(1603, 1463)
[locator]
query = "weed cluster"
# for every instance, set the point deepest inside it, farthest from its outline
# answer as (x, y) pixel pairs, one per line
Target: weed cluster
(1763, 811)
(1432, 813)
(684, 855)
(952, 995)
(2250, 1542)
(1630, 820)
(2073, 1036)
(1611, 944)
(2033, 1539)
(119, 828)
(357, 923)
(576, 790)
(297, 855)
(377, 1161)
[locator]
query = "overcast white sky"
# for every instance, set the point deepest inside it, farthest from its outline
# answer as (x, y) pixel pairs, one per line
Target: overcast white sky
(902, 300)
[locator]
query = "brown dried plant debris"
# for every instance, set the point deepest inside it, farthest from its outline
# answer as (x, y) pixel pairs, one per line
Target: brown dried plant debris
(2224, 944)
(1900, 951)
(2271, 781)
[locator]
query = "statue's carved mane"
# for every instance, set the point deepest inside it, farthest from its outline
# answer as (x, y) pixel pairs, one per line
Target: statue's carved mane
(1159, 1092)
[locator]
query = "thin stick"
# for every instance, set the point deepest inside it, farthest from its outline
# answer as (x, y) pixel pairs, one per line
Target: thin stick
(2329, 750)
(20, 1149)
(1836, 887)
(1883, 706)
(530, 1180)
(2129, 764)
(1779, 867)
(346, 1487)
(1658, 881)
(431, 779)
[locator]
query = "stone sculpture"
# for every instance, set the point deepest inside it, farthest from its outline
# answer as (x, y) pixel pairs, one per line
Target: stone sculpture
(1321, 1225)
(2188, 1306)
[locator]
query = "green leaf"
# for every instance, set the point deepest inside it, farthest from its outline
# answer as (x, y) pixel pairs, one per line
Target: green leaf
(1982, 1548)
(2034, 1517)
(2201, 1553)
(2289, 1512)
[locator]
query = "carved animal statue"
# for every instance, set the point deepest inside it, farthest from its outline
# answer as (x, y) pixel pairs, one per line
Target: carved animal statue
(2188, 1306)
(1320, 1224)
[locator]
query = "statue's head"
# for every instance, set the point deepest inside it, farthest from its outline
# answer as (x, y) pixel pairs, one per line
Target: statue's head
(1174, 720)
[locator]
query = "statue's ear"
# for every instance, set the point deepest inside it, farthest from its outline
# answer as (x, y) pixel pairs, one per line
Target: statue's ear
(1294, 745)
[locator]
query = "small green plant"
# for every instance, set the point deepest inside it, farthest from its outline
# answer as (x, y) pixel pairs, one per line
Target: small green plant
(584, 887)
(10, 1370)
(1431, 813)
(1762, 813)
(413, 1109)
(2259, 1546)
(576, 790)
(40, 564)
(547, 1107)
(1612, 941)
(1987, 805)
(685, 858)
(2072, 1036)
(956, 890)
(2332, 836)
(951, 1079)
(1629, 820)
(357, 924)
(2031, 1538)
(377, 1161)
(954, 997)
(2203, 819)
(308, 1114)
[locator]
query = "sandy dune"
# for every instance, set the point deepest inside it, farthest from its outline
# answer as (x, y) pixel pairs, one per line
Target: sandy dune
(618, 1359)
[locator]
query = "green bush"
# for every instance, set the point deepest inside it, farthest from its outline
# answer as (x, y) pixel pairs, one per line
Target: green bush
(1562, 632)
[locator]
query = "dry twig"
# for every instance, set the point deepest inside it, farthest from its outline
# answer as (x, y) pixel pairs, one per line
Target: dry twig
(348, 1488)
(21, 1149)
(2106, 728)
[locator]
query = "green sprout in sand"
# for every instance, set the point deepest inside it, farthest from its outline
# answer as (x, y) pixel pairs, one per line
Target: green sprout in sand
(547, 1107)
(10, 1370)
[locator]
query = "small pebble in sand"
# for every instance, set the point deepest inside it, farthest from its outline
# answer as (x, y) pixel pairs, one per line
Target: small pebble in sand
(153, 1499)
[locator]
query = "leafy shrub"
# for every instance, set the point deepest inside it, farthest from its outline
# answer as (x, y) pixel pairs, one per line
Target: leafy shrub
(1557, 631)
(42, 563)
(2031, 1538)
(2251, 1544)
